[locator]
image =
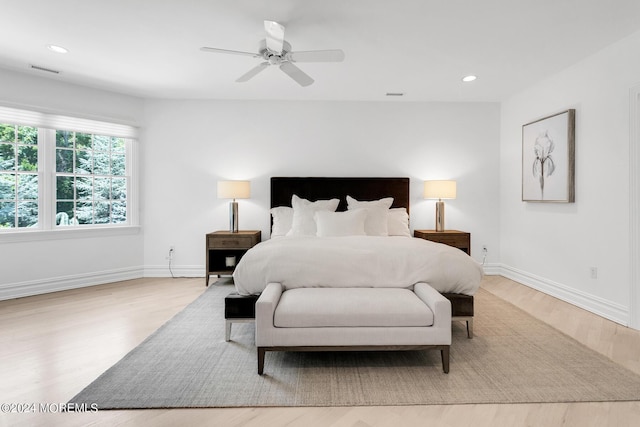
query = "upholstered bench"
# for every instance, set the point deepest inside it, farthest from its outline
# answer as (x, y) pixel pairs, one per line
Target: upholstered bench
(352, 319)
(238, 309)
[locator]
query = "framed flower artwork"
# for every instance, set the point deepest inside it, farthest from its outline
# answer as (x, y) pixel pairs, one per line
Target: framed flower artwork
(548, 159)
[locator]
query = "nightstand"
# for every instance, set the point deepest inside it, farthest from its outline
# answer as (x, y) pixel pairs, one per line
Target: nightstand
(455, 238)
(224, 250)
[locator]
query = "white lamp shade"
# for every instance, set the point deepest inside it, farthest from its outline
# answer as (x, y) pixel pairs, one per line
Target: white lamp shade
(439, 189)
(234, 189)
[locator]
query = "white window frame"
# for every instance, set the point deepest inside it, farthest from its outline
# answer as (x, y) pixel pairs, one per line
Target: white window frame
(47, 123)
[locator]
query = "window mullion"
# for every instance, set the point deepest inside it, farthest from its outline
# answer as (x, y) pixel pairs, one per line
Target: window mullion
(132, 181)
(47, 171)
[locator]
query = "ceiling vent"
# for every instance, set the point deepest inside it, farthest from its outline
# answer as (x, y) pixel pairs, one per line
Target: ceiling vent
(48, 70)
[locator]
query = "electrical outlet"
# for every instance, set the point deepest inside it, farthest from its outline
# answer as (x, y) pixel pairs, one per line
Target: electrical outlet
(172, 250)
(594, 272)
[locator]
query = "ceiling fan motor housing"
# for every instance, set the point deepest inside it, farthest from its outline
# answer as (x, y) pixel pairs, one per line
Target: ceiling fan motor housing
(274, 58)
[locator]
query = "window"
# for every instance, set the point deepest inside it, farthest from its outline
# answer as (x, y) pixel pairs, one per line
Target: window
(18, 176)
(91, 185)
(59, 172)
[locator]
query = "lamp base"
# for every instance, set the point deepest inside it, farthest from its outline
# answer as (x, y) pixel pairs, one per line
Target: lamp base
(440, 216)
(233, 217)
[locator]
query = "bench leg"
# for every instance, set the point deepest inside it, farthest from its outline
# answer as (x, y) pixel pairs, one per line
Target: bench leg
(261, 352)
(445, 359)
(470, 328)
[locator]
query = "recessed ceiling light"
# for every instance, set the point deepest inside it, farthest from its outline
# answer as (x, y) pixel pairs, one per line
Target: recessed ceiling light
(57, 49)
(467, 79)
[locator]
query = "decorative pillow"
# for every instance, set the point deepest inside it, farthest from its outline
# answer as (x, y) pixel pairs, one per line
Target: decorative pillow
(303, 223)
(382, 203)
(349, 223)
(377, 220)
(282, 220)
(398, 222)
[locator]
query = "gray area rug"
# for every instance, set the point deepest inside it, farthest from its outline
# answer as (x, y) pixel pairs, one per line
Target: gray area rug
(513, 358)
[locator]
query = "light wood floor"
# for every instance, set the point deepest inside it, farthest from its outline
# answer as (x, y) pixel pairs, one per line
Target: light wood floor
(52, 346)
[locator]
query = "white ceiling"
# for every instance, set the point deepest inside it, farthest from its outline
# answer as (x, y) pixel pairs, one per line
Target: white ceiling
(150, 48)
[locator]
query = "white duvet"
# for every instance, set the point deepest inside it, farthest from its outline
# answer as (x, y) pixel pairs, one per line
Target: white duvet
(356, 261)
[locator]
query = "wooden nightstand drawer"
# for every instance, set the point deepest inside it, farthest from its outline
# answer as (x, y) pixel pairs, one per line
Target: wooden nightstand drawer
(239, 242)
(447, 239)
(455, 238)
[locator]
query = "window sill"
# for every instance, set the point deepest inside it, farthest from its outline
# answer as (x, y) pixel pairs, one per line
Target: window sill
(68, 233)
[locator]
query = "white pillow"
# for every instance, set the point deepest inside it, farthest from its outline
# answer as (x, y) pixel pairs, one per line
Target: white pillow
(303, 223)
(349, 223)
(398, 222)
(382, 203)
(282, 220)
(377, 222)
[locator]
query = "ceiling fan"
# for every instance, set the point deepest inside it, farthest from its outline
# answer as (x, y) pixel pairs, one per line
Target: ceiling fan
(275, 50)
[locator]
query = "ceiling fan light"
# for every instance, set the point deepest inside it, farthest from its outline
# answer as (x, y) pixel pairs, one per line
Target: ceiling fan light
(469, 78)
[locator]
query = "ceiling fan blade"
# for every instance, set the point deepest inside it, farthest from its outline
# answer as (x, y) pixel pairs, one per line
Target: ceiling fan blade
(232, 52)
(335, 55)
(252, 72)
(296, 74)
(275, 36)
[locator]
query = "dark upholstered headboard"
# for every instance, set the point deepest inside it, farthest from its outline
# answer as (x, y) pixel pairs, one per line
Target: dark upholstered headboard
(320, 188)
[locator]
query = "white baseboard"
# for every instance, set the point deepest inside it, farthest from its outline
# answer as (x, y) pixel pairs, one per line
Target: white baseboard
(491, 269)
(604, 308)
(594, 304)
(175, 271)
(63, 283)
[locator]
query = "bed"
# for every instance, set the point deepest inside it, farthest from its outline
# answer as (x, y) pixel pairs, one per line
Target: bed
(392, 260)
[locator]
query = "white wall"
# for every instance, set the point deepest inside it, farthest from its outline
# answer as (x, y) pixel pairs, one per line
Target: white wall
(189, 145)
(55, 263)
(552, 246)
(24, 90)
(186, 146)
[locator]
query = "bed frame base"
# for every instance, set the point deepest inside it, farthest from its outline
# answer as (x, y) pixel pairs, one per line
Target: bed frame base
(469, 320)
(462, 310)
(444, 351)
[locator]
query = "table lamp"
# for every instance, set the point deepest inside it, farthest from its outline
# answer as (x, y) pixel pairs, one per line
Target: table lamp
(234, 190)
(439, 190)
